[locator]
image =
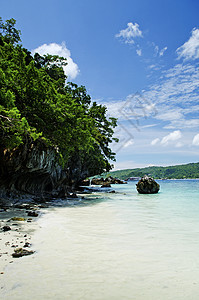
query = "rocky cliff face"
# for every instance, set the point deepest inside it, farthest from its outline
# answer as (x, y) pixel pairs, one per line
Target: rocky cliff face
(34, 169)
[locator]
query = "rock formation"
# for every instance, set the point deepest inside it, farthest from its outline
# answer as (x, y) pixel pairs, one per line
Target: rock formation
(110, 180)
(33, 170)
(147, 185)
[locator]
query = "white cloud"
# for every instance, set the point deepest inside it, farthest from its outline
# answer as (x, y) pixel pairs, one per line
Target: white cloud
(170, 115)
(161, 53)
(179, 145)
(127, 164)
(71, 69)
(173, 136)
(149, 125)
(129, 143)
(157, 50)
(176, 96)
(195, 141)
(182, 123)
(132, 31)
(139, 52)
(154, 67)
(155, 141)
(190, 49)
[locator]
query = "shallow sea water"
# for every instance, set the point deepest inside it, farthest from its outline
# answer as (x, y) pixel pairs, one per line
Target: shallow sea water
(114, 247)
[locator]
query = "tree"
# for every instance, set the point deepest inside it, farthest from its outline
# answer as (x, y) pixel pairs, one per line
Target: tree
(35, 101)
(8, 30)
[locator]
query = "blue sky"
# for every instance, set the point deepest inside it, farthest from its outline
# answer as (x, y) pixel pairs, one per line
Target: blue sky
(138, 57)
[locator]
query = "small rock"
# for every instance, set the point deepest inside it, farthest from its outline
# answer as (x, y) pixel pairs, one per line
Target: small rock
(18, 219)
(85, 182)
(6, 228)
(19, 252)
(73, 195)
(106, 184)
(33, 214)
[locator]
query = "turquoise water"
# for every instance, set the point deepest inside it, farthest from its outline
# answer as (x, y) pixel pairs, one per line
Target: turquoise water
(114, 246)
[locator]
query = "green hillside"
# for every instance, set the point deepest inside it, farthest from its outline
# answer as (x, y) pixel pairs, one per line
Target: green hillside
(179, 172)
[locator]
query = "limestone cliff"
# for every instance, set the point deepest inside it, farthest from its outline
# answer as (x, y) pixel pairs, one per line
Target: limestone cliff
(34, 169)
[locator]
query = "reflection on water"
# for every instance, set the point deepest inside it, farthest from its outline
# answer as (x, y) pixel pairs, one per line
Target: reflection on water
(113, 247)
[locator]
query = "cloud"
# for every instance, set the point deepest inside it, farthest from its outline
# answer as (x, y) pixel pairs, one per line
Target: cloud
(195, 141)
(132, 31)
(71, 70)
(179, 145)
(155, 141)
(154, 67)
(170, 115)
(190, 49)
(149, 126)
(157, 50)
(161, 53)
(176, 96)
(129, 143)
(139, 52)
(173, 136)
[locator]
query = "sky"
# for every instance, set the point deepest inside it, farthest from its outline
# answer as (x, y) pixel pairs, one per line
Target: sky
(140, 58)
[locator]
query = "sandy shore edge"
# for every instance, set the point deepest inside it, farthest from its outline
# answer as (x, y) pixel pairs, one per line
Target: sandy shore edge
(22, 227)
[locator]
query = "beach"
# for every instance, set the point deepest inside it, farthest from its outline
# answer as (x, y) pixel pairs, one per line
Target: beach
(16, 229)
(111, 246)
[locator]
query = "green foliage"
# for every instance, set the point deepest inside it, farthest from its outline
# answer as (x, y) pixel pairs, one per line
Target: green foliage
(35, 101)
(8, 30)
(178, 172)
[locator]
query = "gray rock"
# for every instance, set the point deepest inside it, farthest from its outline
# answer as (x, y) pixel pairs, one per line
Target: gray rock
(147, 185)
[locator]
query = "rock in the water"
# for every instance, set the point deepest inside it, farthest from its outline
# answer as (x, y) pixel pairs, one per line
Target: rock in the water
(106, 184)
(97, 181)
(110, 179)
(147, 185)
(33, 214)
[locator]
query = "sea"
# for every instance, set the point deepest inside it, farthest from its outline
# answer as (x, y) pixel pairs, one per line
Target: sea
(114, 246)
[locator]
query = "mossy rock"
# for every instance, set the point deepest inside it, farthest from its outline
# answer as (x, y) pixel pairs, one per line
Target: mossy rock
(18, 219)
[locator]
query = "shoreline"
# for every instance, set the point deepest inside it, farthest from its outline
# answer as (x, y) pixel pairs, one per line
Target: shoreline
(97, 250)
(21, 221)
(16, 230)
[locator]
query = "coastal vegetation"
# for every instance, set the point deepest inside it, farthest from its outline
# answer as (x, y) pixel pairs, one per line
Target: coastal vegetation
(190, 170)
(39, 106)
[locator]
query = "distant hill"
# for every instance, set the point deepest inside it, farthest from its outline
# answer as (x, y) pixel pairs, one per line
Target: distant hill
(179, 172)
